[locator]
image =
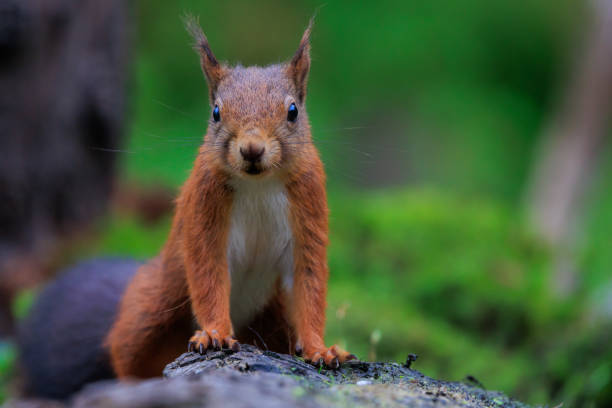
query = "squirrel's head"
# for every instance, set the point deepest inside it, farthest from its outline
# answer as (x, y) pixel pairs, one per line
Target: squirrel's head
(258, 122)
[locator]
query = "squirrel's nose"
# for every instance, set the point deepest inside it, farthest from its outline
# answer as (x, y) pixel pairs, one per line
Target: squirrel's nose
(252, 152)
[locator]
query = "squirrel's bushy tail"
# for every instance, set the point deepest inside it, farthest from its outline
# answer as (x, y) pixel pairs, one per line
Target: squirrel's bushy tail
(61, 341)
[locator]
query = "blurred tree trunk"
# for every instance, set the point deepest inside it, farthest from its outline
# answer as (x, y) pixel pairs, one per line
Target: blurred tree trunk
(573, 139)
(62, 74)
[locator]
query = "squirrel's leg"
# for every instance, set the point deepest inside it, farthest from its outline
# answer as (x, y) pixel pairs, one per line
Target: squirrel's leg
(308, 299)
(152, 324)
(207, 201)
(210, 303)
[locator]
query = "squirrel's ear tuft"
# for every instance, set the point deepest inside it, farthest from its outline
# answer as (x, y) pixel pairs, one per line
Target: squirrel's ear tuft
(213, 71)
(300, 64)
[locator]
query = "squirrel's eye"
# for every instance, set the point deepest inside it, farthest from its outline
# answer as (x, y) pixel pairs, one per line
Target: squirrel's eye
(216, 114)
(292, 113)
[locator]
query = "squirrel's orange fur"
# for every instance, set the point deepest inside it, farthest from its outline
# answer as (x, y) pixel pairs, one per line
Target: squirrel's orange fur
(200, 263)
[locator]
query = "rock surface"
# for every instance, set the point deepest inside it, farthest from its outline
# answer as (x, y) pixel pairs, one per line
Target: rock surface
(254, 378)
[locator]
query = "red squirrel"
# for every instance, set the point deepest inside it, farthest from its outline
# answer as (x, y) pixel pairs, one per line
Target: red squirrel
(246, 256)
(245, 261)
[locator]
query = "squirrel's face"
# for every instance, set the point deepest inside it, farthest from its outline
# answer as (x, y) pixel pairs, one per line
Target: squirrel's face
(258, 124)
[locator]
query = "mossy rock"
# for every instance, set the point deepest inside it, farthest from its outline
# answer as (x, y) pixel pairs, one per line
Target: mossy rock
(255, 378)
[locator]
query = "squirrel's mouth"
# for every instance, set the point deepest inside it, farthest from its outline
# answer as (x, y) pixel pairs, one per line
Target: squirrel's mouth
(253, 169)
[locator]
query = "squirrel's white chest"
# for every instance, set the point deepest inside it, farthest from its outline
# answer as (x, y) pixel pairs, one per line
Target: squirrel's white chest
(259, 248)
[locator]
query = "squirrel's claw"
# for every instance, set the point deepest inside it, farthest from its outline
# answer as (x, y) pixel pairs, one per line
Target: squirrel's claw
(299, 351)
(232, 343)
(216, 344)
(332, 357)
(202, 341)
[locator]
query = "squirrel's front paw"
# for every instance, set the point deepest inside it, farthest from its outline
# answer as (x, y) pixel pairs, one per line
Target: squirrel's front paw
(332, 357)
(203, 340)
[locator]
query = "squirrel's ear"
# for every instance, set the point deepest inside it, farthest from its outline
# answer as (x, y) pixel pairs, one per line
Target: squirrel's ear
(300, 64)
(213, 71)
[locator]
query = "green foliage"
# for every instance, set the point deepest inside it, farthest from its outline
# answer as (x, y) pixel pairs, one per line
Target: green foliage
(125, 236)
(7, 363)
(455, 92)
(424, 243)
(22, 303)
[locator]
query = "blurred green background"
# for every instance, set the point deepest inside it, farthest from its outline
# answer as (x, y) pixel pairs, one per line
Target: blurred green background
(427, 114)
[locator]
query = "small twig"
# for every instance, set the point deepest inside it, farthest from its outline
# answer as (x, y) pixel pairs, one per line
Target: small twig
(260, 338)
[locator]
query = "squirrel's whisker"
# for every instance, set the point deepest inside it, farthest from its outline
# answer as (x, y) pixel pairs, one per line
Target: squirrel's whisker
(177, 110)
